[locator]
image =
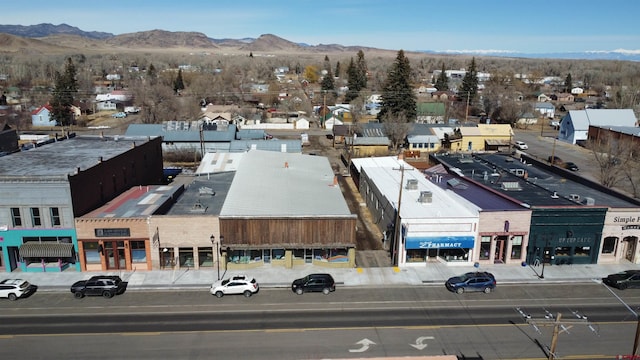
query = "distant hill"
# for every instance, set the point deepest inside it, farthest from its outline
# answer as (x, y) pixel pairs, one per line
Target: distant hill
(42, 30)
(69, 37)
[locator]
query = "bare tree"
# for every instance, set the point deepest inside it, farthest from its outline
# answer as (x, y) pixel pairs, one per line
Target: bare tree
(611, 158)
(396, 127)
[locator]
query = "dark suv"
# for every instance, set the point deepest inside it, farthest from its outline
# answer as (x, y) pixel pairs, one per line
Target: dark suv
(103, 285)
(314, 283)
(472, 281)
(624, 280)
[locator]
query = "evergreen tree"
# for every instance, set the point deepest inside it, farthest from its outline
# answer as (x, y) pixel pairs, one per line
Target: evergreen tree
(327, 64)
(337, 72)
(178, 84)
(352, 83)
(568, 83)
(397, 94)
(361, 67)
(356, 77)
(469, 88)
(442, 83)
(327, 83)
(66, 86)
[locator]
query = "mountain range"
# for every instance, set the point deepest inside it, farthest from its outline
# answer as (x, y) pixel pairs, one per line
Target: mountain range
(49, 37)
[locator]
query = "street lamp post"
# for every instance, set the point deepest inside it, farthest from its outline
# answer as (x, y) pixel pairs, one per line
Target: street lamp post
(217, 250)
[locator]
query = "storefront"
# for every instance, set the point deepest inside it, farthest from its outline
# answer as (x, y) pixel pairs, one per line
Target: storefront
(565, 236)
(39, 250)
(442, 248)
(620, 237)
(121, 244)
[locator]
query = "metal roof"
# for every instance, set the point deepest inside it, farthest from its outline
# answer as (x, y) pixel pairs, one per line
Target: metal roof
(139, 201)
(203, 195)
(269, 183)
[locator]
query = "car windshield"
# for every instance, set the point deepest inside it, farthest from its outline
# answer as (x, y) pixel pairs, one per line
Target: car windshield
(225, 282)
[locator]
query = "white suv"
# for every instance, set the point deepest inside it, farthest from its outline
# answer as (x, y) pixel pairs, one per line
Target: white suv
(521, 145)
(240, 284)
(13, 289)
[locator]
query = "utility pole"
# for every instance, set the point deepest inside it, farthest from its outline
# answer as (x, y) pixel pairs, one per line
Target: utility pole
(395, 259)
(559, 326)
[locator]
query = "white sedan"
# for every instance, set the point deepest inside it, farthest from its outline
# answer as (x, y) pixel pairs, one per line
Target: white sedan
(521, 145)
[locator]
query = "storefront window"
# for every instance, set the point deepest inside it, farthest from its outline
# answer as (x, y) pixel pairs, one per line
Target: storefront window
(205, 257)
(266, 256)
(454, 254)
(185, 256)
(298, 254)
(277, 254)
(338, 255)
(563, 251)
(516, 247)
(485, 247)
(609, 245)
(255, 255)
(166, 257)
(308, 256)
(138, 252)
(414, 256)
(582, 251)
(91, 253)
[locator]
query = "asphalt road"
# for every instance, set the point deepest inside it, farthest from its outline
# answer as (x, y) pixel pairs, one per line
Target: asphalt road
(350, 323)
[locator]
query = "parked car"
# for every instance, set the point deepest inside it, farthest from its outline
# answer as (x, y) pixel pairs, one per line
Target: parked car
(100, 285)
(521, 145)
(240, 284)
(314, 283)
(472, 281)
(119, 115)
(14, 289)
(571, 166)
(623, 280)
(555, 124)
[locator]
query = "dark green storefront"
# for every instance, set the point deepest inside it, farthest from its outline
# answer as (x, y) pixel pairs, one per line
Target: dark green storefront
(565, 236)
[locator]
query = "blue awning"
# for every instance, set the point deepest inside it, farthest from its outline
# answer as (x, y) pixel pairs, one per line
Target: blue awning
(440, 242)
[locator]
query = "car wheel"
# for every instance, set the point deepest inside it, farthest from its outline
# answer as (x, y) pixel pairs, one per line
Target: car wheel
(12, 297)
(459, 290)
(299, 291)
(78, 295)
(107, 294)
(623, 286)
(247, 293)
(487, 290)
(219, 294)
(326, 291)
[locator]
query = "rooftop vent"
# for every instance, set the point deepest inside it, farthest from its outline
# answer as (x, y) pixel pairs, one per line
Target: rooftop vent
(554, 195)
(574, 197)
(589, 200)
(198, 208)
(412, 184)
(426, 197)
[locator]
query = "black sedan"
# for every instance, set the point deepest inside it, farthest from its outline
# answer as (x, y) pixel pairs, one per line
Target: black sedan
(623, 280)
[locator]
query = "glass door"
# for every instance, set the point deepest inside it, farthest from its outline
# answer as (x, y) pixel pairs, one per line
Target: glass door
(114, 253)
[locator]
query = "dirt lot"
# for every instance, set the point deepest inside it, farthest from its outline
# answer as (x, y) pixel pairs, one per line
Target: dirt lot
(368, 237)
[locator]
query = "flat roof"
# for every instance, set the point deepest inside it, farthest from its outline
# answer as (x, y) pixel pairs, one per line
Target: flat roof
(269, 183)
(386, 173)
(63, 157)
(539, 187)
(203, 194)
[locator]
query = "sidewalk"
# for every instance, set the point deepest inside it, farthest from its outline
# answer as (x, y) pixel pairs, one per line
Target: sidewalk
(268, 276)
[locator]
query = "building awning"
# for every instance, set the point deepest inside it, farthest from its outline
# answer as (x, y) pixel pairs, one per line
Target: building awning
(46, 250)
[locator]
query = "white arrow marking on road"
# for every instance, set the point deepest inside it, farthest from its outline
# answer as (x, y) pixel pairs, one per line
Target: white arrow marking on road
(365, 345)
(419, 342)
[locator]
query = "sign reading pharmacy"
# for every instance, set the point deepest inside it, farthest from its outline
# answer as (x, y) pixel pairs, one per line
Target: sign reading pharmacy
(439, 242)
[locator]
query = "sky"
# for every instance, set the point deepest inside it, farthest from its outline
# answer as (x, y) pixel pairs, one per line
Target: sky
(523, 26)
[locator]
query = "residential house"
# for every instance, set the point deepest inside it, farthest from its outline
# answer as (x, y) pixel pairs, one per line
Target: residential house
(543, 98)
(443, 95)
(574, 126)
(430, 112)
(547, 109)
(42, 116)
(564, 98)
